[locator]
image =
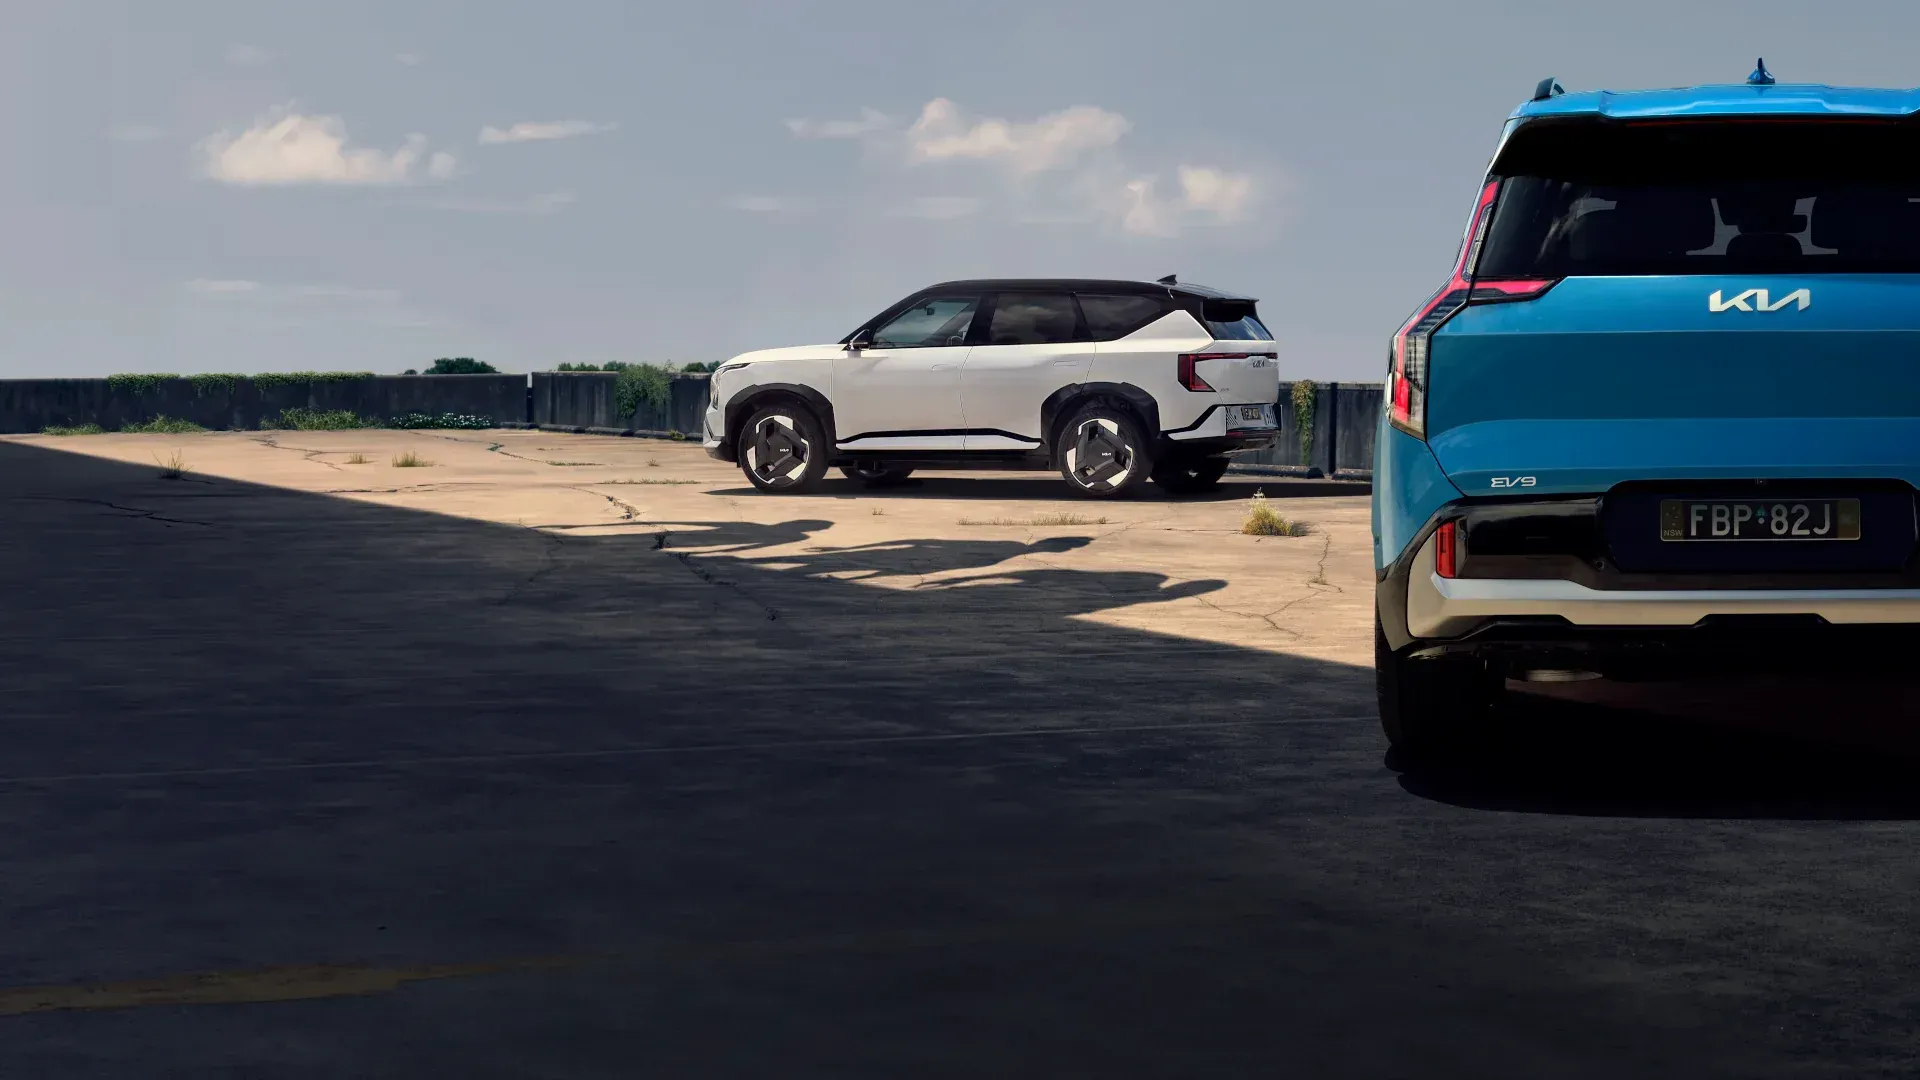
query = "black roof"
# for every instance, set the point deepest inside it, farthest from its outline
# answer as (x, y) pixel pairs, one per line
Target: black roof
(1108, 285)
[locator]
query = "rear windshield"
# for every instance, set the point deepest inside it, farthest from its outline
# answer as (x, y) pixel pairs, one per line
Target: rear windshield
(1233, 320)
(1583, 198)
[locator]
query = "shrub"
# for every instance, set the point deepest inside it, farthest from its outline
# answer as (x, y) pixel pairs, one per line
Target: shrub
(461, 365)
(639, 383)
(1303, 395)
(137, 383)
(698, 368)
(215, 383)
(161, 425)
(306, 378)
(458, 421)
(76, 429)
(300, 418)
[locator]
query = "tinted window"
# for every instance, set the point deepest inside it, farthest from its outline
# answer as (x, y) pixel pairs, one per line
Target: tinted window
(1032, 319)
(1707, 198)
(939, 320)
(1110, 317)
(1233, 320)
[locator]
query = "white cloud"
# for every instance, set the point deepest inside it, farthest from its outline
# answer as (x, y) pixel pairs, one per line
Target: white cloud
(543, 204)
(1222, 194)
(938, 207)
(442, 165)
(136, 133)
(1060, 167)
(410, 59)
(248, 56)
(539, 130)
(293, 149)
(944, 132)
(870, 122)
(1144, 215)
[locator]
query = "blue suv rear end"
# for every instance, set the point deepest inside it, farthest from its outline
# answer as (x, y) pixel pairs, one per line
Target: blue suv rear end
(1663, 416)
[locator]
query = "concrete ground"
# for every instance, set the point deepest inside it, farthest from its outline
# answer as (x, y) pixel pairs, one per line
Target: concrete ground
(572, 756)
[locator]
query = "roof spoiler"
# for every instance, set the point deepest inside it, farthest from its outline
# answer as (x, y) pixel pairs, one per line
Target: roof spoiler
(1548, 88)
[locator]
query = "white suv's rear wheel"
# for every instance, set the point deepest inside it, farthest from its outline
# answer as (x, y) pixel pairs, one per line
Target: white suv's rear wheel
(1104, 453)
(782, 449)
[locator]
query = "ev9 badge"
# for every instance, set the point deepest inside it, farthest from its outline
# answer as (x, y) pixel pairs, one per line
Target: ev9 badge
(1513, 481)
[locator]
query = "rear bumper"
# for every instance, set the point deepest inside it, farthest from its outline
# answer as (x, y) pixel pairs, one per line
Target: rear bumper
(1543, 578)
(1216, 432)
(1439, 607)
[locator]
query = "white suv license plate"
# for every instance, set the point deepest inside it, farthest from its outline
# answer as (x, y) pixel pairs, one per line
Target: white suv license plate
(1243, 417)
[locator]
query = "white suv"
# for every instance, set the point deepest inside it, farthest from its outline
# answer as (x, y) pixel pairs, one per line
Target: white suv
(1111, 382)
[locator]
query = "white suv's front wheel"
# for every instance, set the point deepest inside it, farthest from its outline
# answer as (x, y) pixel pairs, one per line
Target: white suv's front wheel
(783, 450)
(1104, 453)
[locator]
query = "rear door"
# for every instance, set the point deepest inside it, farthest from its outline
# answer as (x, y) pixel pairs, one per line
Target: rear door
(1723, 299)
(1031, 344)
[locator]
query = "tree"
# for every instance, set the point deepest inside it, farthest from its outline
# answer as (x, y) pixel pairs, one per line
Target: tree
(461, 365)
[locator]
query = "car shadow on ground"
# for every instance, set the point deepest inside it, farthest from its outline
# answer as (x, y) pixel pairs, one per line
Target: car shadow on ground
(1049, 487)
(765, 820)
(1761, 760)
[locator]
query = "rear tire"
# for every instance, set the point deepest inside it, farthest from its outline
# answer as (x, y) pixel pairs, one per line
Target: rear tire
(876, 473)
(1104, 453)
(1190, 476)
(783, 450)
(1432, 709)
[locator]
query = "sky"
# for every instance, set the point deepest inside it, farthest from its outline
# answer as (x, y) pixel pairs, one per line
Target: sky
(198, 186)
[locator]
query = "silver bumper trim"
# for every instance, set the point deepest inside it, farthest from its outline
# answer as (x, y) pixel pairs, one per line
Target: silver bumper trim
(1444, 608)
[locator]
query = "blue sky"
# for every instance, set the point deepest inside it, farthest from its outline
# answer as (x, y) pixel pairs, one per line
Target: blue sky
(208, 186)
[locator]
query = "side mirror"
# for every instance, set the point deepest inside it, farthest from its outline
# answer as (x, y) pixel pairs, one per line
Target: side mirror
(862, 339)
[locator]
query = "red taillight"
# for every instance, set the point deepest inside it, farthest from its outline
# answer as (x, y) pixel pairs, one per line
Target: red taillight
(1190, 377)
(1407, 361)
(1444, 556)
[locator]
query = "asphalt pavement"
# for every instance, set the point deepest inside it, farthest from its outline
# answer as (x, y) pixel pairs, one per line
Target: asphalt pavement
(307, 779)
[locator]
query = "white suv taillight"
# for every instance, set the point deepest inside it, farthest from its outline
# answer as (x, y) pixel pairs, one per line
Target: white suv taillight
(1190, 378)
(1407, 357)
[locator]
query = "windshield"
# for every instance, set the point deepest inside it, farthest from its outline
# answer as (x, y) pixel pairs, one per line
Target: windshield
(1583, 199)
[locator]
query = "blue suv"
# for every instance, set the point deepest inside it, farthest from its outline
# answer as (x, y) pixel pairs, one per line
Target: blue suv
(1663, 416)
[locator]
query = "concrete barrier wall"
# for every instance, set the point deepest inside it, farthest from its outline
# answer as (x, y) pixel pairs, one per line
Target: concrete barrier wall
(1343, 427)
(31, 405)
(1344, 418)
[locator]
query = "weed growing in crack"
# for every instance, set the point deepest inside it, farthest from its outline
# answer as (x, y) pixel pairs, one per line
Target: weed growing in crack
(357, 459)
(174, 467)
(1264, 520)
(410, 460)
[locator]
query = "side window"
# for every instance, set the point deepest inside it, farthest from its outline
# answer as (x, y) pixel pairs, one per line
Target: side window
(1032, 319)
(1113, 317)
(936, 320)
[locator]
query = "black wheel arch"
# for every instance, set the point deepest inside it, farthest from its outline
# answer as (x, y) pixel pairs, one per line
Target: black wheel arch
(1060, 406)
(754, 398)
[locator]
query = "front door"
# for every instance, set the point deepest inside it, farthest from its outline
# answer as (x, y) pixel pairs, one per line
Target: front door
(903, 392)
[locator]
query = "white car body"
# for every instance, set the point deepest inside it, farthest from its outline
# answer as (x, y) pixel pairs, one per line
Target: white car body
(903, 391)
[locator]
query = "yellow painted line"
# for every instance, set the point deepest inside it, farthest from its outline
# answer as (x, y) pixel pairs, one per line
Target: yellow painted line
(292, 982)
